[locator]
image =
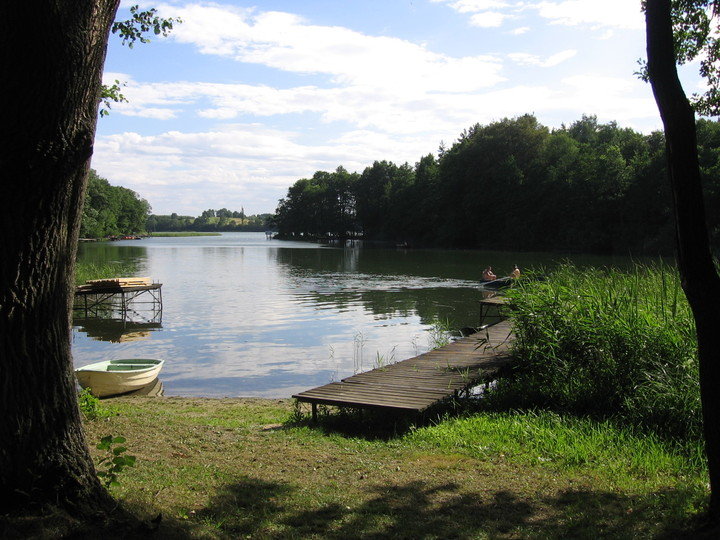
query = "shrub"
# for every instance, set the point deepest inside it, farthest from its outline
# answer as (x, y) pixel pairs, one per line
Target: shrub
(91, 407)
(603, 342)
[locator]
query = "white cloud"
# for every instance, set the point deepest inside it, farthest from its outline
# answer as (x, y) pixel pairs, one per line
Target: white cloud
(596, 84)
(488, 19)
(247, 160)
(286, 42)
(525, 59)
(474, 6)
(150, 112)
(520, 31)
(606, 14)
(620, 14)
(386, 110)
(560, 57)
(242, 164)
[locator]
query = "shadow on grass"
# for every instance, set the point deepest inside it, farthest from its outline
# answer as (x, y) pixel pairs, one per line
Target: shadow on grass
(258, 509)
(414, 510)
(255, 508)
(370, 424)
(246, 508)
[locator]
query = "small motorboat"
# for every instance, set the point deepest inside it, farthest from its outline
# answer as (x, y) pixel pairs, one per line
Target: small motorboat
(112, 377)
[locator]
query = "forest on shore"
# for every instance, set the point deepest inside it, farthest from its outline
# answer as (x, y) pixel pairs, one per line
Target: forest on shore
(117, 211)
(515, 185)
(111, 210)
(210, 220)
(512, 185)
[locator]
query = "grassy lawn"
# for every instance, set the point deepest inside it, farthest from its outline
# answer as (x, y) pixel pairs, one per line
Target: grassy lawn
(230, 468)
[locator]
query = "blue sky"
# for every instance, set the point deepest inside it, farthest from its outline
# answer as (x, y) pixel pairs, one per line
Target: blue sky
(243, 99)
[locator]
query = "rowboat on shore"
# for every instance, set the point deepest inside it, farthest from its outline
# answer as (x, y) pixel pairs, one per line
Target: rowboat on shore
(112, 377)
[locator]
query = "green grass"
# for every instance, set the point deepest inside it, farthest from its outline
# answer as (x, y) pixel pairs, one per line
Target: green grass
(89, 270)
(621, 457)
(92, 408)
(606, 343)
(186, 233)
(248, 467)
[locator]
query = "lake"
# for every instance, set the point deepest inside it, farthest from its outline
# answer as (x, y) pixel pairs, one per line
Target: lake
(247, 316)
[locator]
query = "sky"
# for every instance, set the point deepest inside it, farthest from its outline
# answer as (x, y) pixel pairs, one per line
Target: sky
(245, 98)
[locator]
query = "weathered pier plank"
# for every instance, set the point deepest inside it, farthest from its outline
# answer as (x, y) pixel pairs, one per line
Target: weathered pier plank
(422, 381)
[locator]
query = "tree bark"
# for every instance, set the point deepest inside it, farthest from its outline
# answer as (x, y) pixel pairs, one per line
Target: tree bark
(699, 278)
(52, 55)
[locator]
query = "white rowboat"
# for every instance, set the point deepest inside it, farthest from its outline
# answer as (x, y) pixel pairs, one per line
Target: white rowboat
(112, 377)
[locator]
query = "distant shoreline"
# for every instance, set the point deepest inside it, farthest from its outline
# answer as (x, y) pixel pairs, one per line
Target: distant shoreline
(180, 233)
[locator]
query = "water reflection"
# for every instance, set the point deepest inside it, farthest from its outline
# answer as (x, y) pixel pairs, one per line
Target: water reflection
(115, 330)
(152, 389)
(247, 316)
(103, 252)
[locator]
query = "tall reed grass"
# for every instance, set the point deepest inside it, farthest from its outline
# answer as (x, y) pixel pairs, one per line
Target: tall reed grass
(92, 270)
(607, 343)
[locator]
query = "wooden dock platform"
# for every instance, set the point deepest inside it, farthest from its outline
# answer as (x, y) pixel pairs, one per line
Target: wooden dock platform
(96, 297)
(415, 384)
(116, 286)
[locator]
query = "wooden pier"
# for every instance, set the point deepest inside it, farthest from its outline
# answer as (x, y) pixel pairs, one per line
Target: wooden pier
(97, 297)
(415, 384)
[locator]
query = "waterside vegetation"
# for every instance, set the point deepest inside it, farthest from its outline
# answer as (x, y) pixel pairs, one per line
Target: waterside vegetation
(513, 184)
(89, 270)
(213, 221)
(111, 210)
(115, 211)
(181, 234)
(607, 343)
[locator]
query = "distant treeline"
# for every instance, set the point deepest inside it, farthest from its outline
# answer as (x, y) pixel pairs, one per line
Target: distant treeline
(118, 211)
(209, 221)
(111, 210)
(512, 184)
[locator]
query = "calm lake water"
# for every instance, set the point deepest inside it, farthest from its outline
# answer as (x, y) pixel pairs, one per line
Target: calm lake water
(246, 316)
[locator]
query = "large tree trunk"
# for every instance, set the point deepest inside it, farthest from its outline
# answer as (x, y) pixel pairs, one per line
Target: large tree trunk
(700, 280)
(52, 57)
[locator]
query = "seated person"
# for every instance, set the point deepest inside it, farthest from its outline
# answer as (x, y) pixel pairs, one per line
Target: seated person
(488, 274)
(515, 273)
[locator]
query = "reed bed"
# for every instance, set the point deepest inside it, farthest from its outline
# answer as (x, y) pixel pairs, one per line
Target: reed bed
(607, 343)
(92, 270)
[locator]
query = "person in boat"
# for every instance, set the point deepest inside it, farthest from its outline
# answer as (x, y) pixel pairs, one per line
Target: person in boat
(488, 274)
(515, 273)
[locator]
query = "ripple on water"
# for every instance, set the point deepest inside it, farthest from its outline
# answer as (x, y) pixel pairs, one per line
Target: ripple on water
(246, 316)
